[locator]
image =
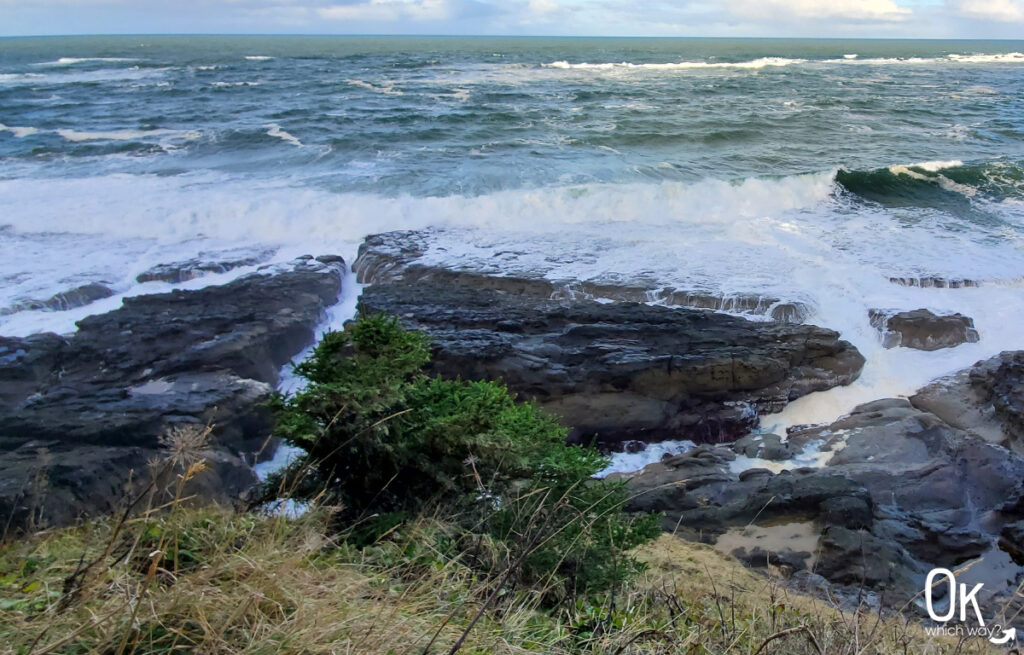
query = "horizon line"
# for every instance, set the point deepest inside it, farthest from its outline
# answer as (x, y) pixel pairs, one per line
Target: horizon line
(493, 36)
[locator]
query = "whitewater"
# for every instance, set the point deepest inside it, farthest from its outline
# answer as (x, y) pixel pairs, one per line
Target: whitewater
(809, 172)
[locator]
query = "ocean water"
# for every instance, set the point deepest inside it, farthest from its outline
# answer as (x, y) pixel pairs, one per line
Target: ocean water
(803, 170)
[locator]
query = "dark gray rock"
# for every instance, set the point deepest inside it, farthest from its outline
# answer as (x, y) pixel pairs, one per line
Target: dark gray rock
(205, 264)
(55, 483)
(622, 371)
(394, 257)
(932, 282)
(901, 492)
(923, 330)
(986, 400)
(853, 512)
(27, 365)
(760, 558)
(763, 446)
(1011, 539)
(70, 299)
(80, 416)
(858, 558)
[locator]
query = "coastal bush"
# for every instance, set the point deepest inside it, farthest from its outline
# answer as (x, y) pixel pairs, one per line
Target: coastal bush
(383, 441)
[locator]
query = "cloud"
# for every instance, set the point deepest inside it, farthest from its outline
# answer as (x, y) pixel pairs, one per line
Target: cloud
(1011, 11)
(388, 11)
(543, 6)
(780, 18)
(802, 10)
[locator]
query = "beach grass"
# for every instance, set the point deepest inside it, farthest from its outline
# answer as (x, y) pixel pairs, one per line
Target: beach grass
(211, 580)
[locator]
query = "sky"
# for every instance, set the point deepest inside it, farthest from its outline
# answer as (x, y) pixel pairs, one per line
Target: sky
(749, 18)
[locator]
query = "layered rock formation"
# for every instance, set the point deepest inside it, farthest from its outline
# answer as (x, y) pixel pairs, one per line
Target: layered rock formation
(898, 491)
(922, 329)
(986, 400)
(206, 263)
(622, 371)
(80, 416)
(76, 297)
(932, 282)
(402, 257)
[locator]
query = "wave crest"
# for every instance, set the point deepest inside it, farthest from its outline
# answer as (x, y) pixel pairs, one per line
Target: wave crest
(762, 62)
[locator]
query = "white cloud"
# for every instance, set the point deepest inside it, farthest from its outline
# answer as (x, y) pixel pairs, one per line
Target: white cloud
(388, 10)
(997, 10)
(543, 6)
(794, 18)
(857, 10)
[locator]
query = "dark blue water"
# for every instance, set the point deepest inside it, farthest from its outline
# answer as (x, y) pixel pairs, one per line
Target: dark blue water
(440, 116)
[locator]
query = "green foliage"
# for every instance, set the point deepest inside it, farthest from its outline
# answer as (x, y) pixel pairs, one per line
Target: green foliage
(576, 536)
(383, 437)
(383, 441)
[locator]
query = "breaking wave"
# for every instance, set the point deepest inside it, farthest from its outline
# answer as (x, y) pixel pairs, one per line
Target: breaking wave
(684, 65)
(767, 62)
(941, 185)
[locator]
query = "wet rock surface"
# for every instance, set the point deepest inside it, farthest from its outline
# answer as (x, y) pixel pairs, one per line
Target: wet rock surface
(622, 371)
(933, 282)
(402, 257)
(80, 416)
(70, 299)
(986, 400)
(922, 329)
(1012, 541)
(763, 446)
(900, 491)
(205, 264)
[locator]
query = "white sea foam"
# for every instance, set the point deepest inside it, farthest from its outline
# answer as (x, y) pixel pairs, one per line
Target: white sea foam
(113, 135)
(655, 452)
(791, 237)
(885, 61)
(18, 132)
(762, 62)
(933, 166)
(258, 57)
(70, 61)
(999, 58)
(386, 88)
(941, 180)
(339, 314)
(276, 131)
(81, 76)
(283, 456)
(811, 456)
(766, 62)
(19, 78)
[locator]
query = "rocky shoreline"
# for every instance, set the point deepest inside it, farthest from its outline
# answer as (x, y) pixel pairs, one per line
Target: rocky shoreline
(863, 506)
(621, 372)
(81, 416)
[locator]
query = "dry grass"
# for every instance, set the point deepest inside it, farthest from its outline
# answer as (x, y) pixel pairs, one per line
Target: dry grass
(179, 579)
(736, 610)
(211, 581)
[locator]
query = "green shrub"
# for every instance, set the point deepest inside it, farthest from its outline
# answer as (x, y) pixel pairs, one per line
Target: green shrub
(383, 441)
(575, 535)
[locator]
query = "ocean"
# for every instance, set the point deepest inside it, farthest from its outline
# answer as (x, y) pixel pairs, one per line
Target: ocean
(811, 171)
